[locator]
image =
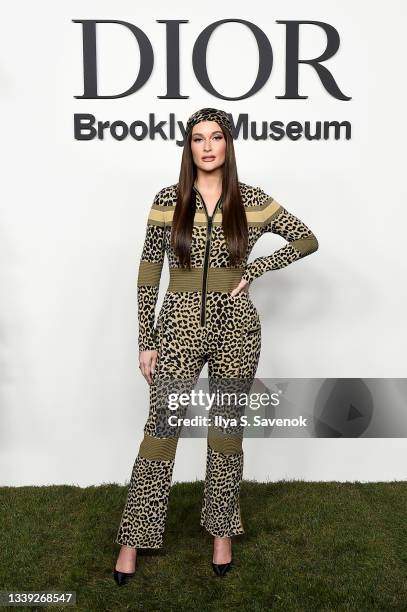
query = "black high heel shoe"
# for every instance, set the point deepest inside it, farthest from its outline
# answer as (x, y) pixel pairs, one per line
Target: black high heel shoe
(220, 569)
(123, 578)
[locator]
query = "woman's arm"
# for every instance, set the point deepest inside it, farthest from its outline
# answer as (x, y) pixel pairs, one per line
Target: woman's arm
(278, 220)
(149, 275)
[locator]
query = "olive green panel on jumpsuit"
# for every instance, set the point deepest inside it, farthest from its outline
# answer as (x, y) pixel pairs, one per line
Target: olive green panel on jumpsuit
(200, 322)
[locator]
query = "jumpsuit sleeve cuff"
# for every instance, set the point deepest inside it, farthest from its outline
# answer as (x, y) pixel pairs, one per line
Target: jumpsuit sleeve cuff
(249, 275)
(146, 347)
(147, 343)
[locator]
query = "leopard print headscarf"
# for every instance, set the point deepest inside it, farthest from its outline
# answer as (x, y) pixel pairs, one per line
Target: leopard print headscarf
(210, 114)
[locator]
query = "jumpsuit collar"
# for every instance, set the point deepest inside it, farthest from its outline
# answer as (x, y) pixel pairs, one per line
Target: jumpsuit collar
(199, 200)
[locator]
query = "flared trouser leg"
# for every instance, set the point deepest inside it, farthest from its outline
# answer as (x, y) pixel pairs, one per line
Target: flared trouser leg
(143, 520)
(232, 366)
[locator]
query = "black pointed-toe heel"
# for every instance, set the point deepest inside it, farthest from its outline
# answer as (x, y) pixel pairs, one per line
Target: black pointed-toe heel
(220, 569)
(123, 578)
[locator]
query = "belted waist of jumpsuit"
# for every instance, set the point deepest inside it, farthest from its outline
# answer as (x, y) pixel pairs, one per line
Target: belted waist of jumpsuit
(218, 279)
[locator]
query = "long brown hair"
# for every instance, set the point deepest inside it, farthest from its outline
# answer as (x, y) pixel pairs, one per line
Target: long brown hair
(234, 220)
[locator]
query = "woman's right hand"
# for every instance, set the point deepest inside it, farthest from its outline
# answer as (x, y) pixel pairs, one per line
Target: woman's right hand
(147, 361)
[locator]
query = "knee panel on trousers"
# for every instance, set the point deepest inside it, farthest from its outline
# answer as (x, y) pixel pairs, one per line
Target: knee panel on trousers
(161, 449)
(228, 444)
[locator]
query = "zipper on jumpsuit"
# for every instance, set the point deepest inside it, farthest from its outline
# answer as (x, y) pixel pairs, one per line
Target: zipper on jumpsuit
(206, 260)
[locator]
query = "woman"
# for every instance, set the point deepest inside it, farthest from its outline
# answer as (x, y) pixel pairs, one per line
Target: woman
(207, 223)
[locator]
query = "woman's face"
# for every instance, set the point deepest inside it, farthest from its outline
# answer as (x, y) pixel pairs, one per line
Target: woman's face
(208, 145)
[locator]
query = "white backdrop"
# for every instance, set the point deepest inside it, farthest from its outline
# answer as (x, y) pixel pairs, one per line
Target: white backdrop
(73, 215)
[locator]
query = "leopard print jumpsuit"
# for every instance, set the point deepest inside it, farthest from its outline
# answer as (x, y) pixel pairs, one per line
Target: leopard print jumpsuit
(200, 322)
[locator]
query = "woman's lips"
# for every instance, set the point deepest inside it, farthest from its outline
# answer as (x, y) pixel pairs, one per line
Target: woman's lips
(209, 158)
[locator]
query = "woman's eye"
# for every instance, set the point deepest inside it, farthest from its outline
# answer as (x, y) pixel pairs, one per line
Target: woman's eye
(215, 138)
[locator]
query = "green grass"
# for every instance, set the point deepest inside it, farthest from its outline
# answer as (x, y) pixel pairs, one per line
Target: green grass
(307, 546)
